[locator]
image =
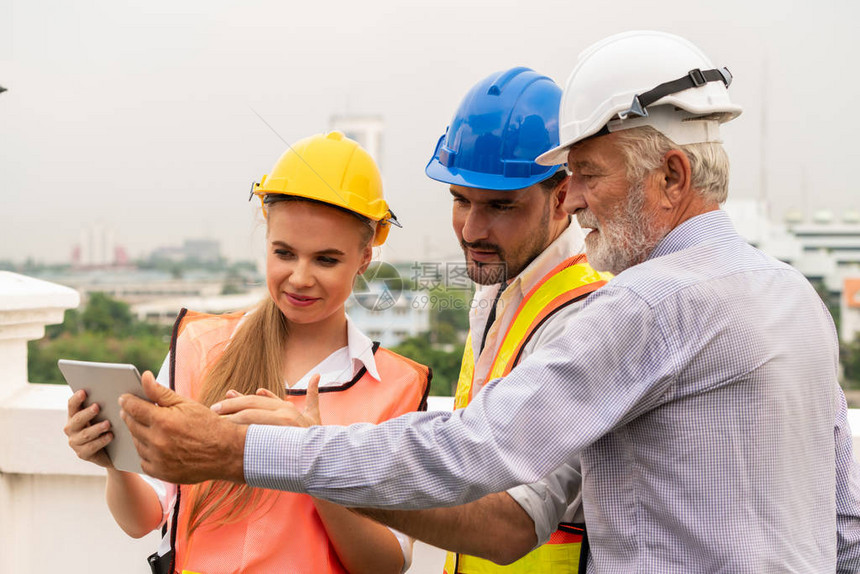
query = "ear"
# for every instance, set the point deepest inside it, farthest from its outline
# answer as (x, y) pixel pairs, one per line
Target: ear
(557, 197)
(675, 176)
(366, 258)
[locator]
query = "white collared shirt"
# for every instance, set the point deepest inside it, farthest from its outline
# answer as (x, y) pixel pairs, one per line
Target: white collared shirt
(340, 367)
(344, 364)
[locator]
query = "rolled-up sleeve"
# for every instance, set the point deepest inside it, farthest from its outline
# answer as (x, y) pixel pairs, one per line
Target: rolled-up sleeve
(554, 499)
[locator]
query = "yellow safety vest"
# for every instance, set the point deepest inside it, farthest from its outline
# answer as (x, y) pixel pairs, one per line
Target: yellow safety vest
(567, 549)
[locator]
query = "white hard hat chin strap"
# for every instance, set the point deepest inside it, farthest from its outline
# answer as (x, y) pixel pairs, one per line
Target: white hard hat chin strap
(679, 126)
(694, 79)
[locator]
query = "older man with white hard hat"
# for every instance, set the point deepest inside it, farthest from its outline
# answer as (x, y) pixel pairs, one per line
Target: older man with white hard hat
(699, 385)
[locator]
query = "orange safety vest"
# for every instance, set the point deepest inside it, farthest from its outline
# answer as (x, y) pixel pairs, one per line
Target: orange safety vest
(284, 534)
(573, 279)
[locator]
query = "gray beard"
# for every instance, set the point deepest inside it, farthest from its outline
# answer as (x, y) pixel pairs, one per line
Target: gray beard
(628, 240)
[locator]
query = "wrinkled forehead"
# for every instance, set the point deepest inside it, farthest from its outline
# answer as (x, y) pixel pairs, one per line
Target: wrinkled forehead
(597, 151)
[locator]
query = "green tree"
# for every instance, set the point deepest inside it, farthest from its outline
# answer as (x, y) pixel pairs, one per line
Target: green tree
(104, 331)
(453, 305)
(849, 356)
(445, 364)
(106, 315)
(71, 324)
(830, 300)
(146, 353)
(441, 348)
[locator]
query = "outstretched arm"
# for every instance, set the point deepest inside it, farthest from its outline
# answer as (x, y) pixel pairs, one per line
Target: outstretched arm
(477, 528)
(534, 420)
(363, 546)
(555, 403)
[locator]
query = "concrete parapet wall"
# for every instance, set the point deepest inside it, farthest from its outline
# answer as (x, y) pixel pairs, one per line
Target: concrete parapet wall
(53, 517)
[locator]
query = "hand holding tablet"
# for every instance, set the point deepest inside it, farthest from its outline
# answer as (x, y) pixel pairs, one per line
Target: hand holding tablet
(103, 384)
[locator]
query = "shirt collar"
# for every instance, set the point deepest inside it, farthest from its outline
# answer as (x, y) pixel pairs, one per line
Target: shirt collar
(360, 349)
(710, 227)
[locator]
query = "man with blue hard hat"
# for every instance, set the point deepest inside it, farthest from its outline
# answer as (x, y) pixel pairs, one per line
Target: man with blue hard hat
(526, 257)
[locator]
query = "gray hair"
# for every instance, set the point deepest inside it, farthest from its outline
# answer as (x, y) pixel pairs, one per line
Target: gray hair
(552, 182)
(644, 148)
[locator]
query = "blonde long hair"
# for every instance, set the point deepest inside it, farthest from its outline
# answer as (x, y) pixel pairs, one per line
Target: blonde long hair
(253, 359)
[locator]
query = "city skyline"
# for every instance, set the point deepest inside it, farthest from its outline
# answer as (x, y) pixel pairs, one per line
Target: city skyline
(157, 117)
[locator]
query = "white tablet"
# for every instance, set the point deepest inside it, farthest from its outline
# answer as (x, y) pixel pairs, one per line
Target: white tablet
(104, 383)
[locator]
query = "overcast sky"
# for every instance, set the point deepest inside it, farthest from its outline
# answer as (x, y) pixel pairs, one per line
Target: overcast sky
(140, 115)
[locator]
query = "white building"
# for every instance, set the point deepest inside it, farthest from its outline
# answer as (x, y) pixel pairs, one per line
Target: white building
(837, 241)
(387, 317)
(163, 311)
(137, 286)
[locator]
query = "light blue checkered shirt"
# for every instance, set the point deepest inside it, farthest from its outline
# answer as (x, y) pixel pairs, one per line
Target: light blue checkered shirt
(699, 387)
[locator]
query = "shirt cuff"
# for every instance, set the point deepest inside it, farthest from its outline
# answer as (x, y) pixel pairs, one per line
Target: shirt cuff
(405, 547)
(271, 457)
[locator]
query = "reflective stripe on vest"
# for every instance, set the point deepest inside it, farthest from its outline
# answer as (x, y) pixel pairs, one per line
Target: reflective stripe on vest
(563, 553)
(568, 282)
(285, 533)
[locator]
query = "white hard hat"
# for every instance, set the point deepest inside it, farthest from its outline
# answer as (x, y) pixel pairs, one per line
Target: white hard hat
(643, 78)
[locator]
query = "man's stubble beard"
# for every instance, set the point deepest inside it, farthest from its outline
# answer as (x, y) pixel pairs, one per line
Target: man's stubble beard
(511, 264)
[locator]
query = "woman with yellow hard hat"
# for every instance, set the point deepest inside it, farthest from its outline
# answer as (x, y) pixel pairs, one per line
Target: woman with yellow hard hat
(324, 211)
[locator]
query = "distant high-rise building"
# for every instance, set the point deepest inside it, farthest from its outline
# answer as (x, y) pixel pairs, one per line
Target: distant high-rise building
(202, 250)
(366, 130)
(192, 250)
(98, 248)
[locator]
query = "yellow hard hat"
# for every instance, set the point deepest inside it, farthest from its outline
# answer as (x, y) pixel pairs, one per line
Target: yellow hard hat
(333, 169)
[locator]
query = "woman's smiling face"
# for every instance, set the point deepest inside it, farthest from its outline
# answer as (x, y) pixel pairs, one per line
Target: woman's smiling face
(314, 253)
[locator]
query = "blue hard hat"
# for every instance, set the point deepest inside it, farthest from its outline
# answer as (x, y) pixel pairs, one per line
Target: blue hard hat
(504, 122)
